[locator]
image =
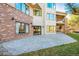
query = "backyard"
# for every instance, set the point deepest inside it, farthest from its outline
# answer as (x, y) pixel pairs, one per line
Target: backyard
(63, 50)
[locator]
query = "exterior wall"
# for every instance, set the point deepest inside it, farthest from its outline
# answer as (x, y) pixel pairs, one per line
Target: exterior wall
(11, 4)
(42, 5)
(37, 20)
(42, 20)
(47, 22)
(31, 11)
(7, 25)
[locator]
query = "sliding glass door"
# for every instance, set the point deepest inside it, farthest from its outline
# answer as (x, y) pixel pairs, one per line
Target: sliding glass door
(37, 30)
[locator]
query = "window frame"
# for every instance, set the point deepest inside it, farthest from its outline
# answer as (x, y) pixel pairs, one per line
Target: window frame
(52, 6)
(40, 12)
(21, 6)
(24, 28)
(28, 28)
(49, 28)
(49, 16)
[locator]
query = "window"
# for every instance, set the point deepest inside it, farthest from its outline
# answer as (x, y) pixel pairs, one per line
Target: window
(18, 6)
(50, 5)
(37, 12)
(27, 28)
(22, 7)
(27, 10)
(50, 16)
(22, 27)
(50, 28)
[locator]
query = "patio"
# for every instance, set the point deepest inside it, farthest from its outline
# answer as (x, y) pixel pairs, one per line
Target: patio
(34, 43)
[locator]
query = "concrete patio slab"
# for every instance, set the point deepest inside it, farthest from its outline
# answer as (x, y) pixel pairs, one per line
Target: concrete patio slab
(36, 43)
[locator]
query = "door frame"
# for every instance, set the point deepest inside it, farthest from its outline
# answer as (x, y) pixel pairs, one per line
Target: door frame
(39, 27)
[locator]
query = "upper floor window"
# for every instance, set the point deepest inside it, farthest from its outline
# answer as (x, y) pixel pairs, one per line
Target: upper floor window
(50, 5)
(27, 10)
(50, 16)
(18, 6)
(22, 7)
(37, 12)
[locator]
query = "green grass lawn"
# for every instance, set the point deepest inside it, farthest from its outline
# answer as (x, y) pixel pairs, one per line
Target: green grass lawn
(63, 50)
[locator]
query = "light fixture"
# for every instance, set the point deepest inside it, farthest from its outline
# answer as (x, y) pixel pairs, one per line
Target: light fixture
(12, 18)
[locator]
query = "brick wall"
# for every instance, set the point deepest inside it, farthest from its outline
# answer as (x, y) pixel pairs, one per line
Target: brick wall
(7, 25)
